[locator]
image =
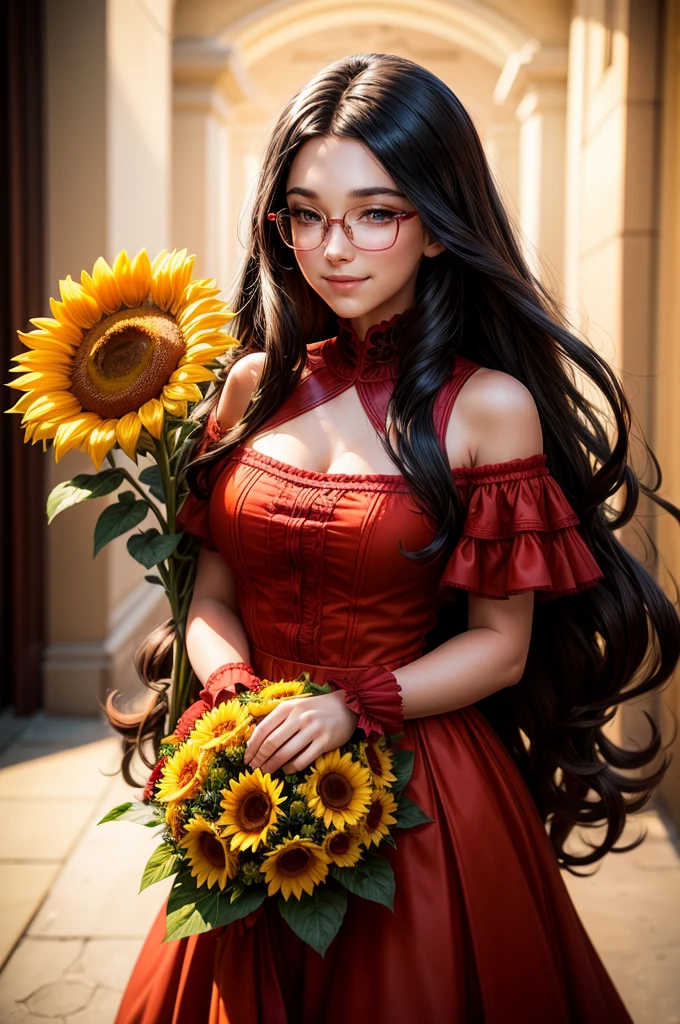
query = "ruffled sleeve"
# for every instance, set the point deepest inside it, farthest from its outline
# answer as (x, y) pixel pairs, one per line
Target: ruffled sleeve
(520, 533)
(193, 516)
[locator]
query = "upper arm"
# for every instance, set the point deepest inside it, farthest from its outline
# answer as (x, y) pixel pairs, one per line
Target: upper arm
(494, 419)
(242, 380)
(214, 578)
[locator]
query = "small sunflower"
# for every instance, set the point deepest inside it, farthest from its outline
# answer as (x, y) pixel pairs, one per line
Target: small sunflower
(271, 695)
(174, 819)
(222, 727)
(375, 826)
(380, 761)
(183, 774)
(125, 345)
(250, 809)
(338, 789)
(208, 853)
(342, 848)
(295, 865)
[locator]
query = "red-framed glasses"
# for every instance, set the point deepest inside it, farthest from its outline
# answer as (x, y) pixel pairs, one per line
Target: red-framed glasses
(367, 227)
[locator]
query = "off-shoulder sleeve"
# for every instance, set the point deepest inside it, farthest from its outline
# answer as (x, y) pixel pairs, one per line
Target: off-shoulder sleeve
(520, 533)
(193, 516)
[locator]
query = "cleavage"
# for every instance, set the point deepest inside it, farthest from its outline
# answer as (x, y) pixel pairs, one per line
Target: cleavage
(334, 437)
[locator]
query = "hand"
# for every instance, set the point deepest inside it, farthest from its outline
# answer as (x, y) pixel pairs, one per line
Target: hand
(296, 732)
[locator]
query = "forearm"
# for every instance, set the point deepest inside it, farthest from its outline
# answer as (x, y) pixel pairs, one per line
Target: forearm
(459, 672)
(215, 636)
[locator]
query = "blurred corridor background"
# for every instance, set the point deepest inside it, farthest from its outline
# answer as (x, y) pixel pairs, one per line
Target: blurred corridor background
(140, 123)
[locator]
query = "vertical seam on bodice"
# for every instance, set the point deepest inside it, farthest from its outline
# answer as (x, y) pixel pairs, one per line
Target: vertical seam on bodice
(360, 567)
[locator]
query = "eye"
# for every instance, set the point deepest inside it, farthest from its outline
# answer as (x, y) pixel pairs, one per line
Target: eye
(379, 215)
(304, 216)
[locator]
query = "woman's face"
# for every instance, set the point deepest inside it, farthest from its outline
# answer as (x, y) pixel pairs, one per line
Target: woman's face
(322, 177)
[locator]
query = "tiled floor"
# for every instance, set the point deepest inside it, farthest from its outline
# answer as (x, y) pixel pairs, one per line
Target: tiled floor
(72, 922)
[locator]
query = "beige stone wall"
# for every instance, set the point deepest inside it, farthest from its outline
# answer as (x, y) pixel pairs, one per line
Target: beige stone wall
(107, 187)
(667, 367)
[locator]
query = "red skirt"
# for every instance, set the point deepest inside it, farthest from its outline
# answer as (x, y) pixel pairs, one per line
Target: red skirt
(483, 930)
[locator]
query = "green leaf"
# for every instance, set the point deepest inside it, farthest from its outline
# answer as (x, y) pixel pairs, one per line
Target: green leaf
(152, 546)
(162, 863)
(408, 814)
(151, 476)
(402, 767)
(81, 488)
(192, 910)
(134, 810)
(316, 918)
(371, 878)
(118, 519)
(154, 579)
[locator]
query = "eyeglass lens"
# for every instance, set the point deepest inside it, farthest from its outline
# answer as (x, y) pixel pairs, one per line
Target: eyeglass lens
(368, 227)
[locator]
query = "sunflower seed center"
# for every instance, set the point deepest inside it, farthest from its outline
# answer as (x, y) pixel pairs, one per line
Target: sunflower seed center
(294, 862)
(125, 360)
(334, 790)
(254, 812)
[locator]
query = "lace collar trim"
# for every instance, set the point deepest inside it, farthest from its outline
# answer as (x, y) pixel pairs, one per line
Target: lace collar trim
(374, 358)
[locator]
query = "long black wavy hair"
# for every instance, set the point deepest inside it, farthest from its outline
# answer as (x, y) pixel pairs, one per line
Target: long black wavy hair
(589, 651)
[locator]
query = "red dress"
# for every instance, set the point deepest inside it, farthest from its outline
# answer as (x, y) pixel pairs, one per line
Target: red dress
(483, 928)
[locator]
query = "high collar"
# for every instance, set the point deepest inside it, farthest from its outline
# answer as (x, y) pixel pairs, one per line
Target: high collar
(374, 358)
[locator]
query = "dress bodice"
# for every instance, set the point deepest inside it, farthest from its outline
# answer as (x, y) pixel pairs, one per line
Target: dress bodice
(319, 574)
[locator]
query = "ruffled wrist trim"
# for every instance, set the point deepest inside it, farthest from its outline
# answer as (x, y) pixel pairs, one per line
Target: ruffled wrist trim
(374, 695)
(221, 684)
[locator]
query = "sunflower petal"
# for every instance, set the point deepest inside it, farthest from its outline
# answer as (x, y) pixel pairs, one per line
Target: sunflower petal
(195, 374)
(100, 440)
(178, 409)
(80, 307)
(141, 273)
(50, 406)
(70, 433)
(40, 381)
(151, 414)
(128, 430)
(24, 402)
(179, 392)
(68, 332)
(102, 286)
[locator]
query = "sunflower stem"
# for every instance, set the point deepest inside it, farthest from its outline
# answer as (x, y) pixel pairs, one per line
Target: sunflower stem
(140, 490)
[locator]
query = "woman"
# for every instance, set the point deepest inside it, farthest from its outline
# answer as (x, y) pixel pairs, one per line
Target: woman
(398, 479)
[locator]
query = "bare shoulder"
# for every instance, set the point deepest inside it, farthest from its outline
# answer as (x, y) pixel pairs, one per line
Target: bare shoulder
(494, 419)
(242, 379)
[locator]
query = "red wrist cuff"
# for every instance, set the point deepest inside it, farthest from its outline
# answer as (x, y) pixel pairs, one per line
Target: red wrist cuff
(374, 694)
(221, 684)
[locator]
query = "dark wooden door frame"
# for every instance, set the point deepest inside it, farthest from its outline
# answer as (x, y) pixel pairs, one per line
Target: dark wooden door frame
(22, 501)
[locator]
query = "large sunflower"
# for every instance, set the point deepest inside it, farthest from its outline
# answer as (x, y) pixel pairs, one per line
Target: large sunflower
(338, 789)
(208, 853)
(183, 774)
(222, 727)
(126, 345)
(250, 809)
(293, 866)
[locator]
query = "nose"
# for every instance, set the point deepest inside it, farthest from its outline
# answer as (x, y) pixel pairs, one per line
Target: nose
(337, 245)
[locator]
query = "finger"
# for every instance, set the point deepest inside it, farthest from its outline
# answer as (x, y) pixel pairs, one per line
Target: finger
(292, 748)
(304, 758)
(264, 728)
(268, 746)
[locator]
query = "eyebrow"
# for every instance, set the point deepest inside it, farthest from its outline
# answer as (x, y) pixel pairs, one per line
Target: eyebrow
(356, 193)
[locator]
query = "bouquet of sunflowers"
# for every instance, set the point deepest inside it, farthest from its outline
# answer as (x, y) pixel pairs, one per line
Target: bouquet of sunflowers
(234, 836)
